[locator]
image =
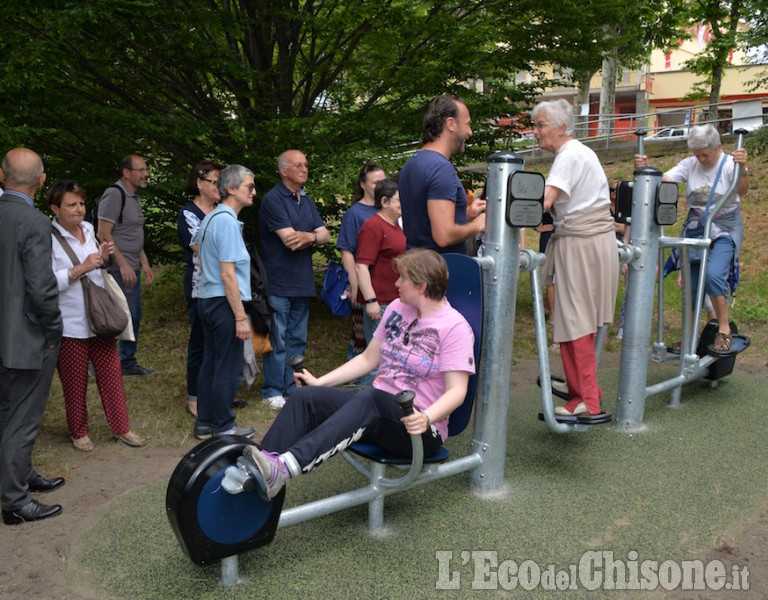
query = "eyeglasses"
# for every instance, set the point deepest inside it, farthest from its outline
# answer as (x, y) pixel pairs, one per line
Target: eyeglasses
(213, 181)
(250, 186)
(407, 336)
(298, 165)
(142, 169)
(540, 124)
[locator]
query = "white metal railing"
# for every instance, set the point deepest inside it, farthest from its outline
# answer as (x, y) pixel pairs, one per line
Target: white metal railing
(624, 125)
(686, 117)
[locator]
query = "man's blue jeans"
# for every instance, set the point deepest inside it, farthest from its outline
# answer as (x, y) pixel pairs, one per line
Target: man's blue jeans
(371, 325)
(133, 296)
(288, 337)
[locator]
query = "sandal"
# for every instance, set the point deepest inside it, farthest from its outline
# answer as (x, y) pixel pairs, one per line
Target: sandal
(722, 342)
(129, 438)
(83, 444)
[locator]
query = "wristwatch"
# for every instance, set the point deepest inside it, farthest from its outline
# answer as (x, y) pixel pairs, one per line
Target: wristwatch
(370, 301)
(745, 171)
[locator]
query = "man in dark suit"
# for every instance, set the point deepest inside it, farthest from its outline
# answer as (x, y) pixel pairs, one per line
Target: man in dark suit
(30, 334)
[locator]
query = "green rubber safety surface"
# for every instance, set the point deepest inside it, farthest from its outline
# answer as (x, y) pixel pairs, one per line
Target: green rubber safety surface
(693, 475)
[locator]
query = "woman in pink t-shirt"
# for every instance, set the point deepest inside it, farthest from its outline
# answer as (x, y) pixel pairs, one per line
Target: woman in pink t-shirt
(421, 344)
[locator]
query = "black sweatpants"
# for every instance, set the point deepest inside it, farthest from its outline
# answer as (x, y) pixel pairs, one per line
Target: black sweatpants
(317, 422)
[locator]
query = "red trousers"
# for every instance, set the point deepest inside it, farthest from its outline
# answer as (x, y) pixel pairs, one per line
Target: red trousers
(580, 367)
(74, 357)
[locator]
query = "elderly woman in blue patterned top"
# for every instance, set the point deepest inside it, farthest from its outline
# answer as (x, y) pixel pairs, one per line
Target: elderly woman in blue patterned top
(203, 191)
(709, 168)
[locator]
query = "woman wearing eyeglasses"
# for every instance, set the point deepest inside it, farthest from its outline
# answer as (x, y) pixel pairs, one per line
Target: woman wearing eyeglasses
(380, 241)
(80, 345)
(224, 286)
(203, 191)
(362, 209)
(582, 258)
(421, 344)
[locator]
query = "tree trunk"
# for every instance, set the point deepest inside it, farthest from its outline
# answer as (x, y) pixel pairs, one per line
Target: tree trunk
(714, 94)
(608, 92)
(581, 123)
(721, 57)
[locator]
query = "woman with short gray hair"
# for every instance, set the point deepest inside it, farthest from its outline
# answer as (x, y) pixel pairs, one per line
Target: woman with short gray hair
(225, 285)
(703, 136)
(582, 259)
(559, 113)
(707, 175)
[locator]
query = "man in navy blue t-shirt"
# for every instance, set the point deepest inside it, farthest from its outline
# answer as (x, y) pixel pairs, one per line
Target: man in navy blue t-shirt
(289, 228)
(435, 211)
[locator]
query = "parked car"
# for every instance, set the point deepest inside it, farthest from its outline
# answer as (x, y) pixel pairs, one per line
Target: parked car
(678, 133)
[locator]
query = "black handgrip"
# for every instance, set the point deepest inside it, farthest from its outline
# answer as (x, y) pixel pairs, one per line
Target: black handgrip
(640, 134)
(405, 400)
(296, 362)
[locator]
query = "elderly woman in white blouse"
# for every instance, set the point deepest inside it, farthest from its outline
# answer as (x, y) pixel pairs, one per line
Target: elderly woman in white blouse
(582, 259)
(79, 345)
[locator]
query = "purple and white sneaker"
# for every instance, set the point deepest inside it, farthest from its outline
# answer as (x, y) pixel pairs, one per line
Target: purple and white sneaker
(271, 468)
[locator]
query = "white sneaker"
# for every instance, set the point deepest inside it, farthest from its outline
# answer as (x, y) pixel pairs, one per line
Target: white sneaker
(274, 401)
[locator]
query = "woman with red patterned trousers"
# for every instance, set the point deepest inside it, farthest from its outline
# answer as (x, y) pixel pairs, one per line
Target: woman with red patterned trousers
(80, 345)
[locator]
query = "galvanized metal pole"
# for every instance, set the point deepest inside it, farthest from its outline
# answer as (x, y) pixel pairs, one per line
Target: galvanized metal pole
(501, 260)
(230, 574)
(639, 296)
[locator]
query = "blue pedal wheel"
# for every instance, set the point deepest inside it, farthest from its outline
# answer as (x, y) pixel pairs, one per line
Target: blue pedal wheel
(209, 522)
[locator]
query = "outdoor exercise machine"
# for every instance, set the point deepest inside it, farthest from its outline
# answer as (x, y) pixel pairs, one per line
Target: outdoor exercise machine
(648, 204)
(213, 501)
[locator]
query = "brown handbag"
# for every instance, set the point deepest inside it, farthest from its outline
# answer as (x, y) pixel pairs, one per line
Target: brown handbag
(106, 318)
(260, 342)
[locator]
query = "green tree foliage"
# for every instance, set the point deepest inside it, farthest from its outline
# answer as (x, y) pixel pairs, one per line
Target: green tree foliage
(581, 38)
(346, 81)
(756, 42)
(733, 24)
(240, 81)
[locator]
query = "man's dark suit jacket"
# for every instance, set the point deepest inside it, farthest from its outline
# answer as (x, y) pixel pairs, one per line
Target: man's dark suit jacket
(29, 300)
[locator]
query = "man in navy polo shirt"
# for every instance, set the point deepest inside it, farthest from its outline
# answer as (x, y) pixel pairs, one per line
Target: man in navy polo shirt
(434, 203)
(289, 229)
